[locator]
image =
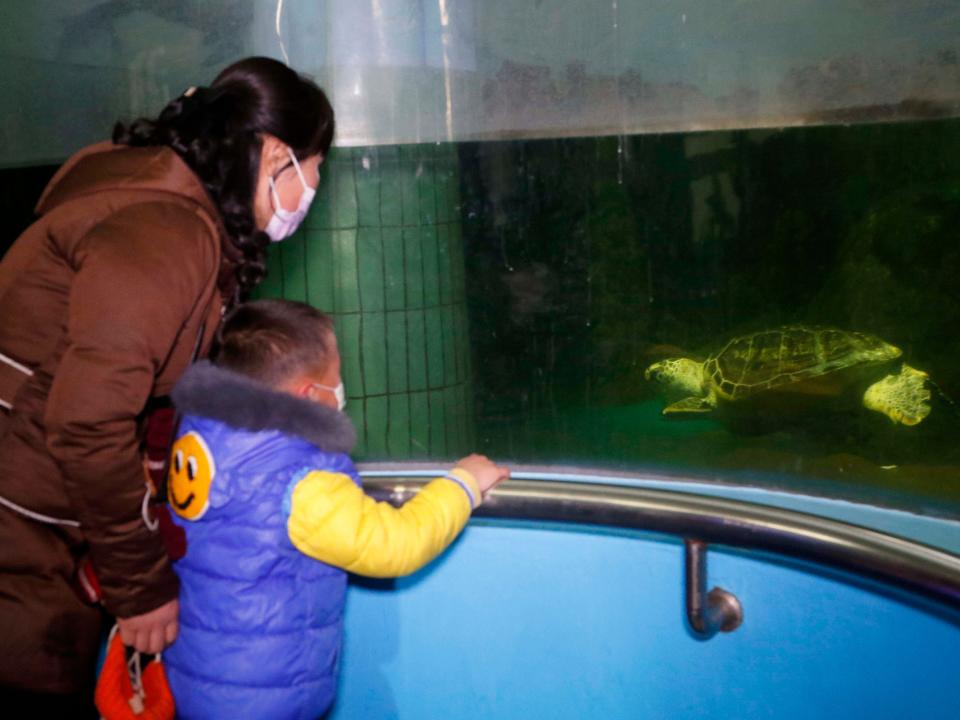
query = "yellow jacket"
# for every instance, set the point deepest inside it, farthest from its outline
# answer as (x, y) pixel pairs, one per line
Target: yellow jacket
(332, 520)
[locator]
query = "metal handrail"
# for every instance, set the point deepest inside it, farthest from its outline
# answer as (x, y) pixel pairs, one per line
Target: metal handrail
(894, 561)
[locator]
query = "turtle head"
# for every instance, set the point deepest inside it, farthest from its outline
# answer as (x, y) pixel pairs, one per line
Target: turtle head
(682, 375)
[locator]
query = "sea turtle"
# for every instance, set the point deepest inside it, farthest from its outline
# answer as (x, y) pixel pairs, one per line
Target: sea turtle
(798, 362)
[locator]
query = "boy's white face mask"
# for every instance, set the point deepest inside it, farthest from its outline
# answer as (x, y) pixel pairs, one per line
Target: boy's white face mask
(285, 222)
(338, 392)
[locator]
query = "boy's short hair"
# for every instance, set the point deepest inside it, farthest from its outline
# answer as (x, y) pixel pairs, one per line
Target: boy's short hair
(274, 341)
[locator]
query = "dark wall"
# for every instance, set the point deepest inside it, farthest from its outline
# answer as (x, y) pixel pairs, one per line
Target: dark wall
(20, 188)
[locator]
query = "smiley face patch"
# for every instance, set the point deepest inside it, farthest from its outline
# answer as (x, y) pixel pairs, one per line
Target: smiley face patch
(191, 472)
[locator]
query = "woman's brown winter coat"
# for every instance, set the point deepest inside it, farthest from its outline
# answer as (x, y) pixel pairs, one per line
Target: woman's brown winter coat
(103, 298)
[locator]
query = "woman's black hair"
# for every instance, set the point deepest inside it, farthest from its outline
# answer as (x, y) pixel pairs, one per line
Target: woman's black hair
(218, 130)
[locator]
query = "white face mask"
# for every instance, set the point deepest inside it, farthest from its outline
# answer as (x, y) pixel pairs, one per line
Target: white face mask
(338, 392)
(285, 222)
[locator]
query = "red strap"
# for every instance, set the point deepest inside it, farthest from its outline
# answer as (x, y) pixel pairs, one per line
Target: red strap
(87, 579)
(174, 537)
(157, 441)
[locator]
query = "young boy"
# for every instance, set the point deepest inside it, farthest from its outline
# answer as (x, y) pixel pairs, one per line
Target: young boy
(274, 518)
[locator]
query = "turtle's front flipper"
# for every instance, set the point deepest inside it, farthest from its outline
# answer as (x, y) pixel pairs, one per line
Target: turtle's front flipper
(690, 405)
(904, 398)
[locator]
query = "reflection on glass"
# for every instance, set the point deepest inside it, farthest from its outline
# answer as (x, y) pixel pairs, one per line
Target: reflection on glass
(414, 71)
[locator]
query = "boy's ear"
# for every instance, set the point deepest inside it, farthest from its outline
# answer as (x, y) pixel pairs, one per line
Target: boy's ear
(305, 389)
(299, 386)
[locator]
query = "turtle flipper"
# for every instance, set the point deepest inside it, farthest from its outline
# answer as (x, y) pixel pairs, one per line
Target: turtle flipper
(693, 404)
(904, 398)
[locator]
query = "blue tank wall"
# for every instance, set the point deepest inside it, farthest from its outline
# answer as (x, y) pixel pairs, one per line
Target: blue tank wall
(525, 621)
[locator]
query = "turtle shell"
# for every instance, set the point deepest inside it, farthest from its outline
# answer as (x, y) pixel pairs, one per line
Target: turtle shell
(794, 355)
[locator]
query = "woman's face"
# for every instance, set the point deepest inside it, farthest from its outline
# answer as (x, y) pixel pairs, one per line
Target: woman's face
(275, 162)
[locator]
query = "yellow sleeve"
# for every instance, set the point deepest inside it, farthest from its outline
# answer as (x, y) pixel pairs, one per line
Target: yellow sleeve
(333, 520)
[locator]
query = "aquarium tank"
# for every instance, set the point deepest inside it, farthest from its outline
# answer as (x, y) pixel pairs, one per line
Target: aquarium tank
(707, 240)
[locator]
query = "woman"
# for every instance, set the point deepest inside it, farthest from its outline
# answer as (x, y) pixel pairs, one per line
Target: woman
(139, 246)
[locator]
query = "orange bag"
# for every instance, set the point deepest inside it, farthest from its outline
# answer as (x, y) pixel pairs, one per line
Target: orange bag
(125, 693)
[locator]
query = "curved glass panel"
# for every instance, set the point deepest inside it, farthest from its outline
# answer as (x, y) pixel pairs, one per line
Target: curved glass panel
(520, 295)
(524, 298)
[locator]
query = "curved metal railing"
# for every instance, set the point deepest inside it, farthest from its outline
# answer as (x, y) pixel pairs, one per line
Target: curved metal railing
(895, 561)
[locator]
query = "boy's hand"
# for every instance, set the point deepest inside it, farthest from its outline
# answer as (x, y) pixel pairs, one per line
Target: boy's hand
(486, 473)
(152, 631)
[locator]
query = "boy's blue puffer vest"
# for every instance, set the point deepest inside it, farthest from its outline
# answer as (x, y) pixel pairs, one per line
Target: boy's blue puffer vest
(260, 623)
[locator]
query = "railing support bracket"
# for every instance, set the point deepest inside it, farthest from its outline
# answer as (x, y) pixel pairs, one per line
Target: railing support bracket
(707, 612)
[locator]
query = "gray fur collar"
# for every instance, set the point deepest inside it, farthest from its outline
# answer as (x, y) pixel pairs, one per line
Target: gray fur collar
(243, 403)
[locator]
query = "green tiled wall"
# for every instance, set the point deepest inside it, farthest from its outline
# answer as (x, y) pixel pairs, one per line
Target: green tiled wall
(382, 252)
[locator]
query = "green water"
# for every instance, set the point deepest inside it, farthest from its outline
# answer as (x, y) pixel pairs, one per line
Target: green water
(507, 297)
(589, 259)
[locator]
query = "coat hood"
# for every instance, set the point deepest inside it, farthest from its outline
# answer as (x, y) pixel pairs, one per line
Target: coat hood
(240, 402)
(107, 170)
(106, 167)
